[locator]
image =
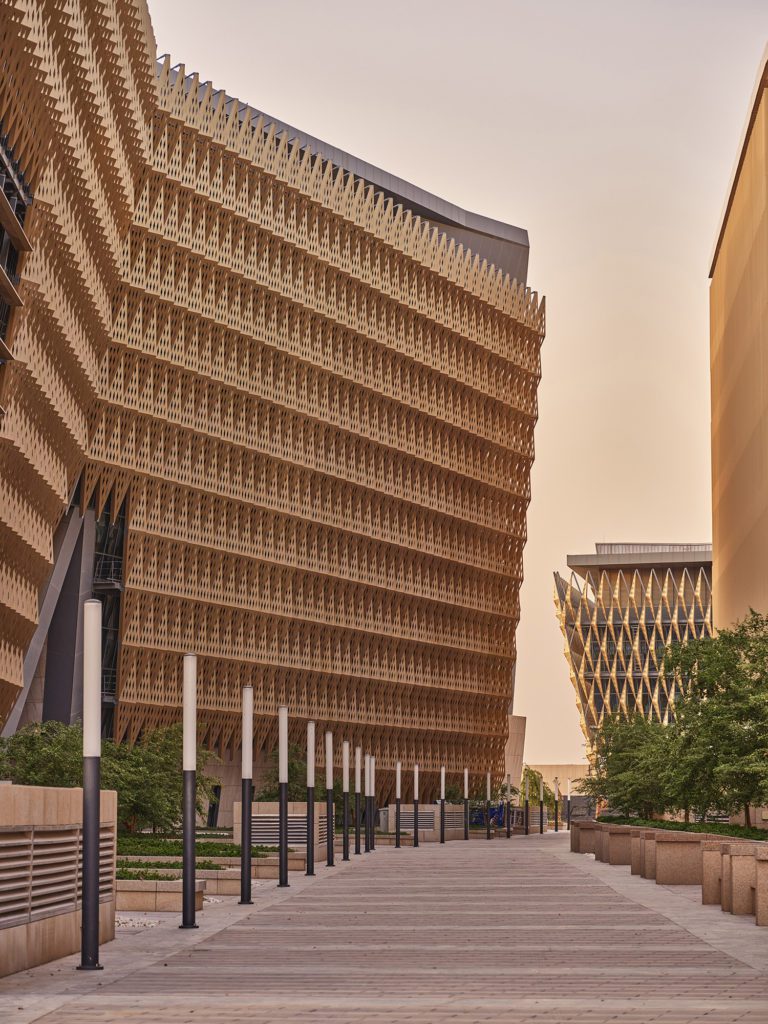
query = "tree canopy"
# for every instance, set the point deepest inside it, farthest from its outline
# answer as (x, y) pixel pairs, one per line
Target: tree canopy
(713, 755)
(147, 775)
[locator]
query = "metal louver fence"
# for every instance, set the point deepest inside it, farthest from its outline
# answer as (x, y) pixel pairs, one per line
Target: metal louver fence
(264, 829)
(41, 872)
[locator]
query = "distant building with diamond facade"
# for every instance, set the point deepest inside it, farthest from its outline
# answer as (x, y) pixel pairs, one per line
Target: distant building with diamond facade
(618, 611)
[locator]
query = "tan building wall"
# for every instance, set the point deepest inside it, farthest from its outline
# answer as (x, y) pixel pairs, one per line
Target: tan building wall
(513, 752)
(317, 406)
(40, 842)
(739, 380)
(563, 772)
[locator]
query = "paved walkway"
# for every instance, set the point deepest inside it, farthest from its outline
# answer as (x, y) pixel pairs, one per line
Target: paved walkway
(511, 931)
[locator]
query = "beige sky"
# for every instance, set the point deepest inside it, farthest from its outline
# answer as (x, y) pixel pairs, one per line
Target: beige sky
(608, 129)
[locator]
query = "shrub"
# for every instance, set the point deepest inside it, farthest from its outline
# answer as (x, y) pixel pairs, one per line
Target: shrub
(152, 846)
(147, 775)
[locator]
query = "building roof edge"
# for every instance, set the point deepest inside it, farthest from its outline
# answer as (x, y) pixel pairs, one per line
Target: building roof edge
(761, 84)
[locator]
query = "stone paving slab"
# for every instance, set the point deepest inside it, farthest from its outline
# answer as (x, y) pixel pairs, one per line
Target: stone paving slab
(517, 931)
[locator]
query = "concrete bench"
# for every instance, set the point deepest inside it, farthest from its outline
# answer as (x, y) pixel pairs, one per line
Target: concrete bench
(583, 836)
(678, 858)
(616, 844)
(716, 885)
(743, 877)
(648, 853)
(761, 887)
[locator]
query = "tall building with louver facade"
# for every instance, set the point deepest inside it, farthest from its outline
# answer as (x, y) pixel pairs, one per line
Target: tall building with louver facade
(272, 404)
(618, 611)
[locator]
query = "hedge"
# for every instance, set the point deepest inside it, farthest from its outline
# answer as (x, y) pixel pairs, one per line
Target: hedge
(716, 828)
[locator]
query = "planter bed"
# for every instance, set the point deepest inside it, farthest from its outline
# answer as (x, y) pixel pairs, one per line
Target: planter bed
(406, 839)
(155, 896)
(296, 861)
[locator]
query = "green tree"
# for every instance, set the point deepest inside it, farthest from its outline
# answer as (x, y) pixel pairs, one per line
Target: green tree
(723, 685)
(43, 754)
(297, 776)
(534, 780)
(688, 773)
(146, 775)
(627, 769)
(454, 793)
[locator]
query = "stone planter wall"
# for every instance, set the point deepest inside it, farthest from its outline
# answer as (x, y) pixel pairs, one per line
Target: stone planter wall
(40, 873)
(155, 896)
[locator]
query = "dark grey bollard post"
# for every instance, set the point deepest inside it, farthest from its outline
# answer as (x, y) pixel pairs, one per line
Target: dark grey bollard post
(527, 814)
(488, 806)
(246, 808)
(509, 805)
(442, 803)
(541, 808)
(557, 802)
(89, 936)
(466, 803)
(367, 803)
(415, 805)
(345, 799)
(373, 802)
(358, 786)
(398, 777)
(282, 782)
(329, 808)
(311, 757)
(189, 766)
(568, 807)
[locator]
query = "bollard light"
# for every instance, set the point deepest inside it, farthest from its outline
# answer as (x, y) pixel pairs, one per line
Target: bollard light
(189, 766)
(329, 808)
(568, 807)
(466, 803)
(416, 805)
(246, 808)
(398, 789)
(541, 807)
(367, 803)
(358, 786)
(345, 799)
(488, 805)
(373, 802)
(282, 781)
(311, 758)
(557, 797)
(527, 820)
(509, 805)
(89, 935)
(442, 803)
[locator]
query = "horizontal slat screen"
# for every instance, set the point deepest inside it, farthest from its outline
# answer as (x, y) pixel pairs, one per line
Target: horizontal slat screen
(265, 829)
(427, 819)
(41, 872)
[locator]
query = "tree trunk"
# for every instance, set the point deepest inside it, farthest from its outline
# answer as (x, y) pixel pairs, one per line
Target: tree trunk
(747, 819)
(687, 816)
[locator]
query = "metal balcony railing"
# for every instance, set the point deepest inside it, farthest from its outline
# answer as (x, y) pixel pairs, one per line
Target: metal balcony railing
(108, 684)
(108, 569)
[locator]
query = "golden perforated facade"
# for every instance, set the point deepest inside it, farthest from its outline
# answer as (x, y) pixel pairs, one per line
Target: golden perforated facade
(618, 612)
(316, 408)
